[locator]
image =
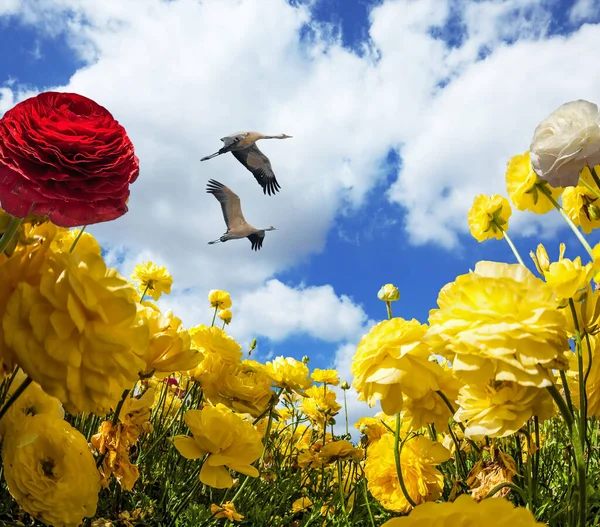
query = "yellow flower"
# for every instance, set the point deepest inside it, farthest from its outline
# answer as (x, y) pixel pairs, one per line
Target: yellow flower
(244, 387)
(592, 386)
(418, 459)
(431, 408)
(152, 279)
(171, 402)
(485, 475)
(301, 504)
(80, 334)
(86, 243)
(219, 299)
(289, 373)
(568, 276)
(491, 513)
(389, 293)
(375, 427)
(541, 260)
(581, 204)
(227, 511)
(596, 262)
(500, 408)
(170, 347)
(340, 450)
(391, 360)
(214, 340)
(229, 440)
(320, 405)
(325, 376)
(500, 322)
(488, 217)
(524, 186)
(225, 315)
(33, 401)
(50, 471)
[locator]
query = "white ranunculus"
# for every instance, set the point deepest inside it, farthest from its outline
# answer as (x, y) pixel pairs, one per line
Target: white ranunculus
(564, 142)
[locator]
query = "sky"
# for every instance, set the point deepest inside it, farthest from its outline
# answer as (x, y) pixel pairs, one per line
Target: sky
(401, 111)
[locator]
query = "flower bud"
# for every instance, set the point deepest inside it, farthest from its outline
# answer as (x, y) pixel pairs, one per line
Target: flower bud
(344, 385)
(388, 293)
(306, 359)
(593, 211)
(253, 345)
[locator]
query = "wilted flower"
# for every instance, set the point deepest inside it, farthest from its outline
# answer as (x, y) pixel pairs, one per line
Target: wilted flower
(418, 459)
(79, 334)
(388, 293)
(485, 475)
(491, 513)
(219, 299)
(566, 141)
(325, 376)
(391, 360)
(227, 511)
(229, 440)
(500, 322)
(524, 186)
(50, 471)
(488, 217)
(500, 408)
(152, 279)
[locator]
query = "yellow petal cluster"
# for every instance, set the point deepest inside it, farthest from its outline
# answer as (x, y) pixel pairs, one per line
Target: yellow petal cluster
(320, 405)
(342, 449)
(567, 277)
(152, 279)
(79, 334)
(388, 293)
(418, 459)
(225, 315)
(524, 186)
(392, 360)
(228, 439)
(581, 204)
(500, 408)
(219, 299)
(375, 427)
(32, 401)
(330, 377)
(466, 512)
(289, 373)
(50, 471)
(500, 322)
(226, 511)
(488, 217)
(214, 340)
(170, 346)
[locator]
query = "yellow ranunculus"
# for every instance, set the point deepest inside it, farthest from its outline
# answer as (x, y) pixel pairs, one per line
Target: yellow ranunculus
(342, 449)
(227, 511)
(581, 204)
(592, 386)
(491, 513)
(524, 186)
(587, 308)
(391, 360)
(375, 427)
(289, 373)
(79, 334)
(152, 279)
(214, 340)
(219, 299)
(301, 504)
(500, 322)
(389, 293)
(330, 377)
(225, 315)
(229, 440)
(488, 217)
(500, 408)
(86, 243)
(50, 471)
(418, 459)
(170, 347)
(320, 406)
(32, 401)
(541, 260)
(567, 277)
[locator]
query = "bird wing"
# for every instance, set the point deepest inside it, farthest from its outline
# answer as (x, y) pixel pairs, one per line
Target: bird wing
(260, 166)
(230, 203)
(256, 239)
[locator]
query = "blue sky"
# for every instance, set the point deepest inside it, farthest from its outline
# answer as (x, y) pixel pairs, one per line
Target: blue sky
(378, 224)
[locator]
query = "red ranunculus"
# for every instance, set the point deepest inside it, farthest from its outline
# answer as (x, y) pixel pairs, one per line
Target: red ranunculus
(66, 156)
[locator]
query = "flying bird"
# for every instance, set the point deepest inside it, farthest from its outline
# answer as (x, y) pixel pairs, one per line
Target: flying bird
(243, 146)
(237, 226)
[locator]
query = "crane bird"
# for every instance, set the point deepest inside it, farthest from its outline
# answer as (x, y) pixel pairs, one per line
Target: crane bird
(243, 146)
(237, 227)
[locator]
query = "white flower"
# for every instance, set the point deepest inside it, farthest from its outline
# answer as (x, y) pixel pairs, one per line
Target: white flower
(565, 141)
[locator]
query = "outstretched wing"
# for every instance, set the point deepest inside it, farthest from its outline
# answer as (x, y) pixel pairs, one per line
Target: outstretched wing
(260, 166)
(230, 203)
(256, 240)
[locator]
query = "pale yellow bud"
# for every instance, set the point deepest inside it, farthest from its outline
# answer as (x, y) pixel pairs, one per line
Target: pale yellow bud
(388, 293)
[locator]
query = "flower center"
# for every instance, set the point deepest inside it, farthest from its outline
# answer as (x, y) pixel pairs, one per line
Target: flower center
(48, 468)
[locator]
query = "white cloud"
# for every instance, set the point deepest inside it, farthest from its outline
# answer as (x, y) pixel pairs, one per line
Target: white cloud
(584, 10)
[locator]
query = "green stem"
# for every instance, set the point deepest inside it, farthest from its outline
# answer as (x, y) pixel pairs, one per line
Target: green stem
(144, 293)
(582, 392)
(504, 485)
(9, 233)
(114, 422)
(562, 406)
(11, 400)
(589, 187)
(366, 492)
(346, 410)
(389, 309)
(536, 457)
(570, 223)
(461, 461)
(563, 378)
(514, 249)
(214, 317)
(594, 175)
(77, 238)
(397, 452)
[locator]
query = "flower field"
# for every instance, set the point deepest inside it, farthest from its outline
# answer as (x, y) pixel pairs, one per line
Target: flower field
(112, 413)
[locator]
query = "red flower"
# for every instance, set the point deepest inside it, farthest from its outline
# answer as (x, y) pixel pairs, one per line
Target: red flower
(68, 157)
